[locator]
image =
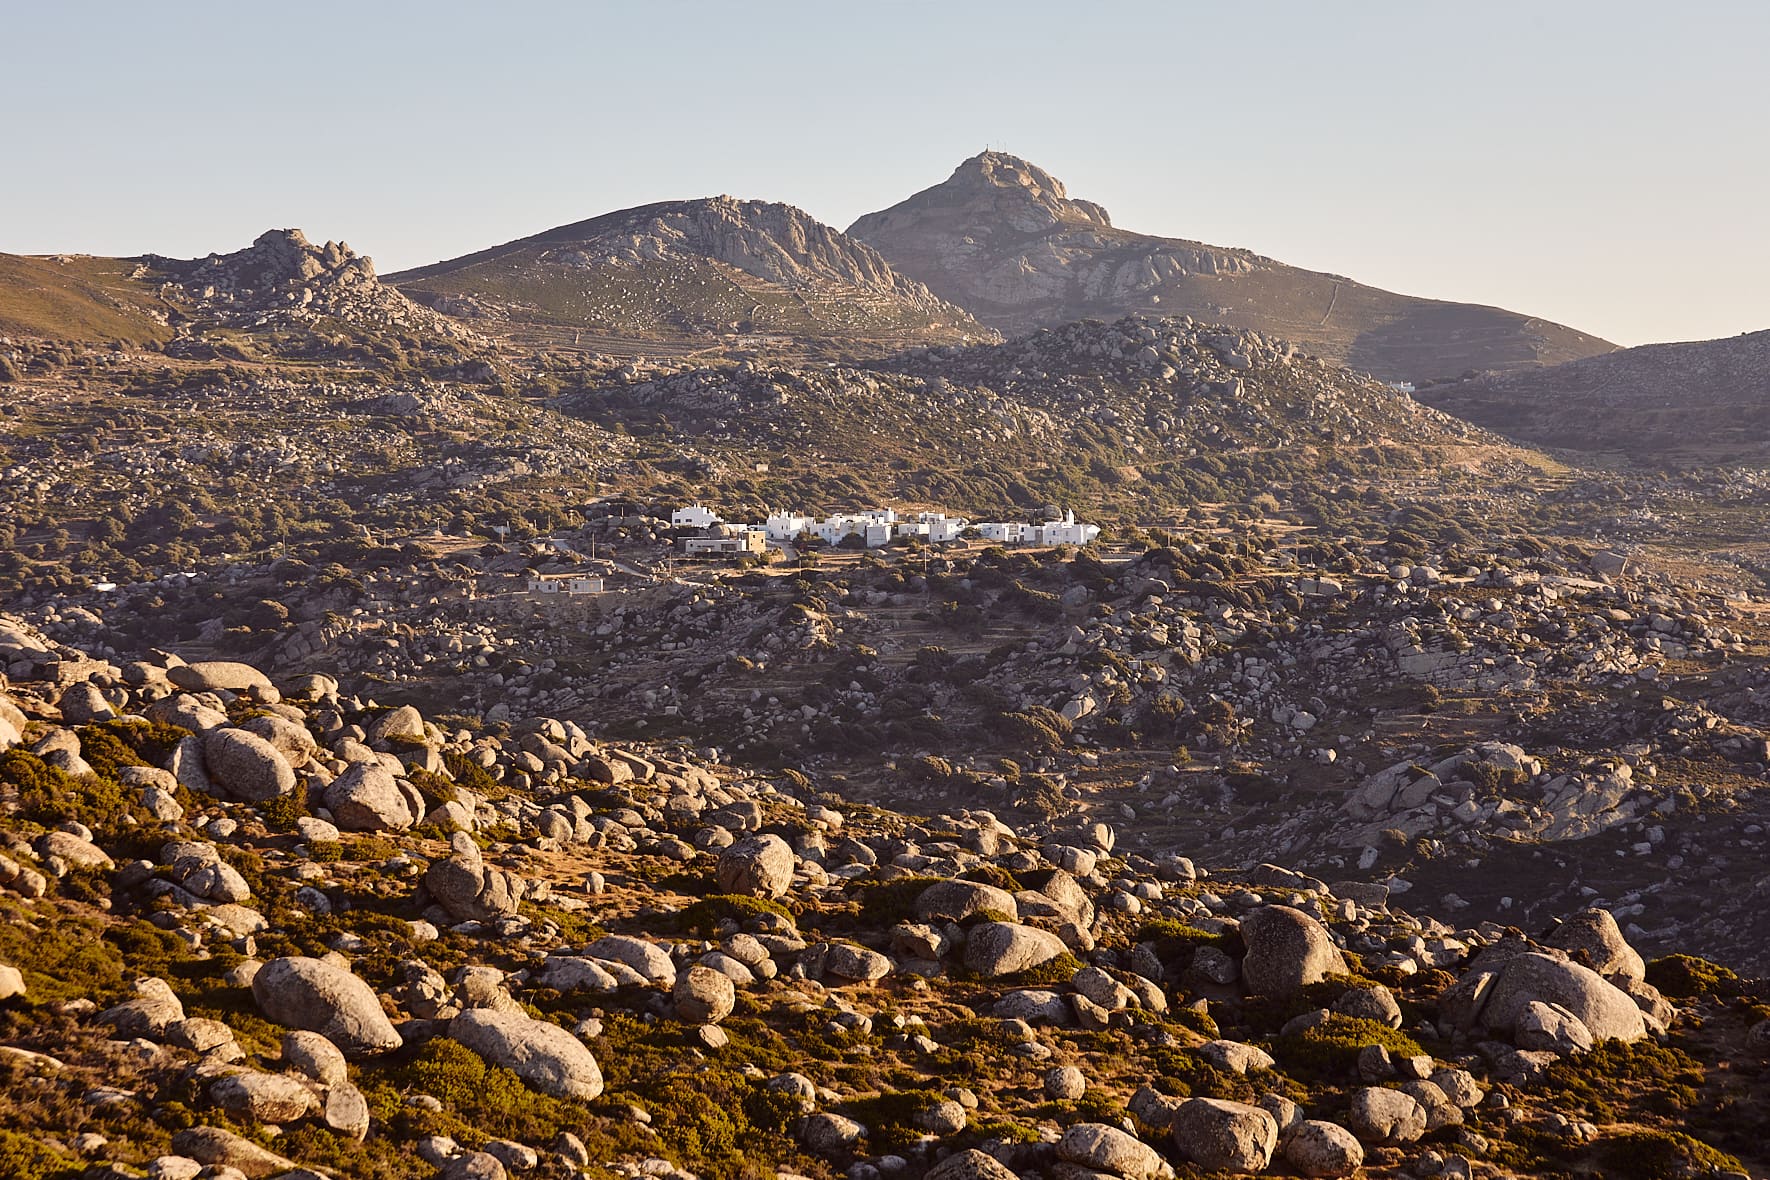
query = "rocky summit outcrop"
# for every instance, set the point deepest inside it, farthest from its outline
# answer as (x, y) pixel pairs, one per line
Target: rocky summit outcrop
(691, 271)
(1002, 238)
(284, 281)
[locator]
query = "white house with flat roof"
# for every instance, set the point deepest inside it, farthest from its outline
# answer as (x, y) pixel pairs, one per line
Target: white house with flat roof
(695, 516)
(784, 526)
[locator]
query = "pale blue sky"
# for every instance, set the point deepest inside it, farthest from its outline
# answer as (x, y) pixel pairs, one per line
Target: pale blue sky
(1602, 164)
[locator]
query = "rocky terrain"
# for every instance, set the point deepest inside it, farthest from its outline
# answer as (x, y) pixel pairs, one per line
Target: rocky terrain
(1707, 401)
(275, 930)
(1378, 795)
(281, 298)
(1002, 238)
(1142, 417)
(691, 274)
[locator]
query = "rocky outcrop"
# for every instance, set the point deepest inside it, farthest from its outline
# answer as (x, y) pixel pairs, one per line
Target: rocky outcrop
(712, 267)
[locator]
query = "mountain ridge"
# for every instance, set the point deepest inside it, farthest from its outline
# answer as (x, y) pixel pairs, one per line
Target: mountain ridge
(1003, 238)
(693, 271)
(1703, 394)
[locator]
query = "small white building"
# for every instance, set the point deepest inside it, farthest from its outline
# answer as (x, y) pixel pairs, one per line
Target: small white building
(784, 526)
(695, 516)
(1067, 531)
(566, 584)
(1005, 532)
(737, 541)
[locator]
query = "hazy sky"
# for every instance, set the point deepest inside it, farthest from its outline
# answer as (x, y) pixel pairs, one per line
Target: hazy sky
(1604, 164)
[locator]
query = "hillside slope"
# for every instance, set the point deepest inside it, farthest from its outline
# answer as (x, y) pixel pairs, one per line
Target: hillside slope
(1141, 418)
(281, 298)
(685, 274)
(81, 298)
(1002, 238)
(1707, 397)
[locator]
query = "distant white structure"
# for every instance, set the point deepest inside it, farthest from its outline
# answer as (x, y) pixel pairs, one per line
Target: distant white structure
(1067, 531)
(934, 527)
(565, 584)
(876, 527)
(1008, 532)
(695, 516)
(736, 540)
(784, 526)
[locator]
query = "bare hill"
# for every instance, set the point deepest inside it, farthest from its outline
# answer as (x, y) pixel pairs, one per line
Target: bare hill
(1707, 398)
(1003, 239)
(681, 275)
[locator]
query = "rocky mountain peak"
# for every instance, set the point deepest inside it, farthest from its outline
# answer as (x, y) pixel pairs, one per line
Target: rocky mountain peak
(285, 282)
(1002, 238)
(1001, 172)
(990, 192)
(767, 239)
(694, 269)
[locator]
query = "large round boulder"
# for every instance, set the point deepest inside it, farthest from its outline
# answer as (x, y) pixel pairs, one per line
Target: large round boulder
(290, 738)
(219, 676)
(1287, 951)
(1498, 1002)
(245, 766)
(760, 866)
(327, 999)
(1386, 1117)
(703, 996)
(1596, 933)
(954, 901)
(264, 1097)
(1319, 1148)
(1110, 1150)
(1223, 1136)
(542, 1054)
(366, 798)
(1004, 948)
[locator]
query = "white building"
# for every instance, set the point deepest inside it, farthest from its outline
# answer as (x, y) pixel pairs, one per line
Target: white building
(735, 541)
(1006, 532)
(565, 584)
(695, 516)
(784, 526)
(934, 527)
(1066, 531)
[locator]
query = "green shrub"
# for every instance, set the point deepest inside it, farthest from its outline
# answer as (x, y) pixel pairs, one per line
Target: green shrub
(704, 916)
(1600, 1079)
(995, 875)
(1685, 977)
(22, 1158)
(279, 814)
(151, 742)
(1181, 1073)
(1660, 1155)
(1330, 1049)
(890, 1118)
(886, 903)
(471, 775)
(1058, 969)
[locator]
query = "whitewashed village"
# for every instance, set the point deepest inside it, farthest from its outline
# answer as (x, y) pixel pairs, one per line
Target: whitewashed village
(873, 528)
